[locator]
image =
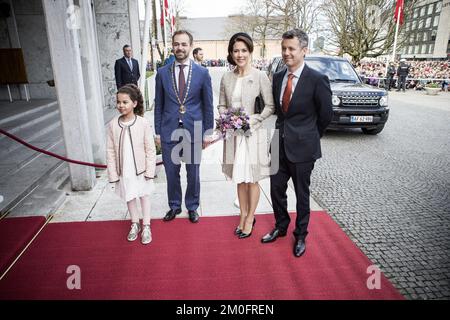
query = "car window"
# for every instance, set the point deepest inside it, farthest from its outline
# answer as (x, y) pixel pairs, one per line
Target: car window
(336, 70)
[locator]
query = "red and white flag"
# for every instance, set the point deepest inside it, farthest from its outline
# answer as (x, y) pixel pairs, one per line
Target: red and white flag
(399, 9)
(168, 16)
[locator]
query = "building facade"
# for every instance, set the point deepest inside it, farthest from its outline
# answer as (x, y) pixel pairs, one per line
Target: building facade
(429, 26)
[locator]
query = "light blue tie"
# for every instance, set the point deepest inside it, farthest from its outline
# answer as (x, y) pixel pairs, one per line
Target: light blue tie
(130, 64)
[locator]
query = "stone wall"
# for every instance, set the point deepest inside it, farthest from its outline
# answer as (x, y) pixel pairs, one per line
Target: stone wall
(113, 30)
(33, 39)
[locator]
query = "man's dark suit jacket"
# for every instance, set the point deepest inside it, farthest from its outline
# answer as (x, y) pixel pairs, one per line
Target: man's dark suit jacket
(123, 73)
(309, 113)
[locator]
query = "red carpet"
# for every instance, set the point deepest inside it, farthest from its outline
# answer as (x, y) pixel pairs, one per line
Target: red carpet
(192, 261)
(15, 233)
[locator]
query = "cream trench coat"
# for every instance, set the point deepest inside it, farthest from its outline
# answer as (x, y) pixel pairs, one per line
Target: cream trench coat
(257, 82)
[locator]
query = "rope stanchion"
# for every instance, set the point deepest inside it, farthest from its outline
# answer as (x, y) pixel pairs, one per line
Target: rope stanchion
(96, 165)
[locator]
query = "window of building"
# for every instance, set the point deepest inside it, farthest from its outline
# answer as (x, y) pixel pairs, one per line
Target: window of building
(414, 25)
(433, 35)
(416, 12)
(424, 48)
(439, 6)
(425, 36)
(420, 25)
(422, 11)
(431, 48)
(430, 8)
(436, 21)
(428, 22)
(411, 49)
(418, 49)
(419, 36)
(412, 37)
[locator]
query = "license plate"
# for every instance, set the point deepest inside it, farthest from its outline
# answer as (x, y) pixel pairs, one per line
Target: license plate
(361, 118)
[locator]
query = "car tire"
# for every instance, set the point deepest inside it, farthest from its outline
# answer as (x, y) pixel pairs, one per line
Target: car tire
(377, 130)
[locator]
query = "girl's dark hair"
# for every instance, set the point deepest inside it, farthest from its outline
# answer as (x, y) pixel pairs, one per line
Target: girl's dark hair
(240, 36)
(135, 94)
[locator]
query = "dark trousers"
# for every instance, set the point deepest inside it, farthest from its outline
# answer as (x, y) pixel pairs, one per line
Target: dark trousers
(389, 82)
(401, 83)
(301, 177)
(190, 153)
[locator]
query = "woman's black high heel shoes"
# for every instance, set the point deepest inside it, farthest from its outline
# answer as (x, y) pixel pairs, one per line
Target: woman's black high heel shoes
(243, 235)
(238, 231)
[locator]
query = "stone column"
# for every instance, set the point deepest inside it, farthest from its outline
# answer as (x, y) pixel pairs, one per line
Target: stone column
(12, 27)
(133, 11)
(92, 81)
(65, 56)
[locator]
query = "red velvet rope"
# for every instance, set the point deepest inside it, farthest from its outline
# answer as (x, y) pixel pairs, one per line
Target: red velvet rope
(96, 165)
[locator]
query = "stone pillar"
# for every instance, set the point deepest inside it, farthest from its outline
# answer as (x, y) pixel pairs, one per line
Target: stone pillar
(114, 30)
(65, 56)
(12, 27)
(133, 11)
(92, 81)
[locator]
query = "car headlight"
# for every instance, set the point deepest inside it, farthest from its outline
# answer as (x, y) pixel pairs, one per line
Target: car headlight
(383, 101)
(335, 100)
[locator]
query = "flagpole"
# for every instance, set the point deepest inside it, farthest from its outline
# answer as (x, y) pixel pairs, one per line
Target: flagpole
(396, 31)
(145, 46)
(165, 31)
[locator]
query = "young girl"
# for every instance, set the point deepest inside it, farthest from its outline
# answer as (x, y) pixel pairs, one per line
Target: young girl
(131, 158)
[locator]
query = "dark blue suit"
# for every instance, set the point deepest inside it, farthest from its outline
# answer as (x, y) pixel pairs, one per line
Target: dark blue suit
(300, 130)
(199, 111)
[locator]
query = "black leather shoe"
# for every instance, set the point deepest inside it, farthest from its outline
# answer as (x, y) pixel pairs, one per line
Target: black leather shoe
(170, 215)
(193, 216)
(299, 247)
(273, 235)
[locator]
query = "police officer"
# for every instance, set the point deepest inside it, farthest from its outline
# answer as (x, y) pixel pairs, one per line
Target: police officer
(402, 73)
(390, 75)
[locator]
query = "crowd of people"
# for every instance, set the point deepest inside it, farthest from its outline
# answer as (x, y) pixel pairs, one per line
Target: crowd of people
(420, 73)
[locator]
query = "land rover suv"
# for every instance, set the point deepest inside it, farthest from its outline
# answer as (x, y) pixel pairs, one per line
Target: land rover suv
(355, 104)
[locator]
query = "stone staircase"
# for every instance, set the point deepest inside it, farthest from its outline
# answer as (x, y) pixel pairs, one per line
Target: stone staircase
(31, 183)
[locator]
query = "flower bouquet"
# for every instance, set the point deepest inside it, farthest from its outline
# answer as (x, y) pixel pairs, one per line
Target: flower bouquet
(231, 121)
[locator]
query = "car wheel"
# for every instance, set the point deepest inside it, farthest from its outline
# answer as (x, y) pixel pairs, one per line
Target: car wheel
(377, 130)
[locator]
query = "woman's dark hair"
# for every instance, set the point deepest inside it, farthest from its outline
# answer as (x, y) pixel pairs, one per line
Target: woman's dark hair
(135, 94)
(240, 36)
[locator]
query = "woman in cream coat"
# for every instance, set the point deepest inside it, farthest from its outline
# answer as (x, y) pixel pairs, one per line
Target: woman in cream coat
(245, 157)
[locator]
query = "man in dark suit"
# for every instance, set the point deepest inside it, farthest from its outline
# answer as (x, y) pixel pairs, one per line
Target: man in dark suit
(303, 105)
(126, 69)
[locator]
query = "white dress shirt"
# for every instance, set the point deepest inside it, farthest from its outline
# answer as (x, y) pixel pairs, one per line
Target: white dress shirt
(297, 73)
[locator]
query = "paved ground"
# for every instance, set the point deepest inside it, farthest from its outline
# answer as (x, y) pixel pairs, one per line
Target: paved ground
(389, 193)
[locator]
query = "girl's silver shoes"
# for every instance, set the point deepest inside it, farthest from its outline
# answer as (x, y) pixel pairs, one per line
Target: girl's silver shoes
(134, 231)
(146, 236)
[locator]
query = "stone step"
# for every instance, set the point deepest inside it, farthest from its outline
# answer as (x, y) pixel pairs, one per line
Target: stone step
(16, 186)
(32, 134)
(20, 109)
(46, 197)
(24, 156)
(31, 120)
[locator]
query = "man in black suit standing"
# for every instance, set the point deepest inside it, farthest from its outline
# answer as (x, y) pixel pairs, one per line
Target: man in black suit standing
(303, 106)
(126, 68)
